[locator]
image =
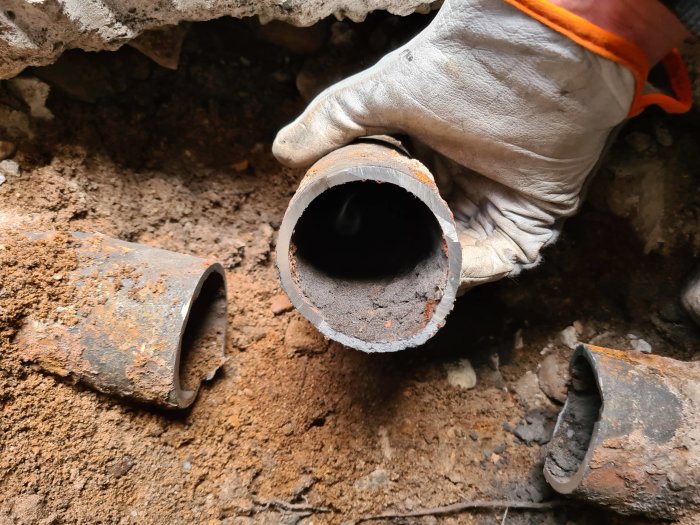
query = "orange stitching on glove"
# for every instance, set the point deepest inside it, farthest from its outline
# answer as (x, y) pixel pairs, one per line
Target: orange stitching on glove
(618, 49)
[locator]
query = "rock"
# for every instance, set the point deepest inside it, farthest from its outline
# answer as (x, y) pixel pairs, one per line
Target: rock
(518, 343)
(30, 508)
(528, 390)
(301, 336)
(280, 304)
(34, 92)
(553, 376)
(7, 148)
(569, 337)
(2, 179)
(37, 34)
(373, 480)
(162, 45)
(691, 297)
(536, 427)
(639, 344)
(461, 374)
(9, 167)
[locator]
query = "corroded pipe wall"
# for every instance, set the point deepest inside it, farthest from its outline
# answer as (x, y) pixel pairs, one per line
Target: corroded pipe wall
(628, 437)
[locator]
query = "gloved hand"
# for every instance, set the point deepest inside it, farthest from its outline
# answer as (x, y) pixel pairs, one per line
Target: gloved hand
(522, 107)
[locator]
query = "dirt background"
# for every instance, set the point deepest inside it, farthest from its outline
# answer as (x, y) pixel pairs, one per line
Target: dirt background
(180, 160)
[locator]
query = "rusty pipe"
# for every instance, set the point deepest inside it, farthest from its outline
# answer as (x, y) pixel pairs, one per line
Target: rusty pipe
(368, 251)
(628, 437)
(144, 324)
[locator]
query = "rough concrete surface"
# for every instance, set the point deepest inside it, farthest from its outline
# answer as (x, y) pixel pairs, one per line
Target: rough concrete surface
(36, 32)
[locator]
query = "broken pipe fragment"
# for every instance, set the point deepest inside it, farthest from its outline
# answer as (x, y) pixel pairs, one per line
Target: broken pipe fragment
(368, 250)
(146, 324)
(628, 437)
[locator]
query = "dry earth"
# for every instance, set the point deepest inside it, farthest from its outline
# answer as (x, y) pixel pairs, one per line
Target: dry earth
(180, 160)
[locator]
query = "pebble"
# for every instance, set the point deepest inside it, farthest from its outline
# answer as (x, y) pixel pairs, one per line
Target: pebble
(553, 376)
(9, 167)
(2, 179)
(461, 374)
(280, 304)
(375, 479)
(639, 344)
(529, 392)
(569, 337)
(534, 428)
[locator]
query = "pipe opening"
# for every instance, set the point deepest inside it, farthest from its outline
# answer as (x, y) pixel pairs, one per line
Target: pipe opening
(369, 256)
(572, 436)
(203, 340)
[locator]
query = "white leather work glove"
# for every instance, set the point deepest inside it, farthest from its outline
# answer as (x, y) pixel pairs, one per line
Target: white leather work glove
(522, 107)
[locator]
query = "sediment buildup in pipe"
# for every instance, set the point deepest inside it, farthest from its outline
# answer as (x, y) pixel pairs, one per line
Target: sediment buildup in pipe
(146, 324)
(368, 250)
(628, 437)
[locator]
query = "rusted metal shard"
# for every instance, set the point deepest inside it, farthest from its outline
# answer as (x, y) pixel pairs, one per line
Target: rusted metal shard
(147, 324)
(628, 436)
(368, 250)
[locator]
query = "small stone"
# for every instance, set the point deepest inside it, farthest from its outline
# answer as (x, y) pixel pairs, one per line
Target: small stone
(534, 428)
(280, 304)
(553, 376)
(518, 342)
(473, 435)
(494, 361)
(30, 508)
(34, 92)
(529, 392)
(461, 374)
(640, 345)
(569, 337)
(2, 179)
(7, 148)
(375, 479)
(187, 465)
(9, 167)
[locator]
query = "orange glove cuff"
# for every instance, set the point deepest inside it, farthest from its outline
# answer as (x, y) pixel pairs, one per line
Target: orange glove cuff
(620, 50)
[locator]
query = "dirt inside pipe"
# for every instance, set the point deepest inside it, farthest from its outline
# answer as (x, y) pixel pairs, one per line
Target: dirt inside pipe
(370, 258)
(572, 437)
(204, 335)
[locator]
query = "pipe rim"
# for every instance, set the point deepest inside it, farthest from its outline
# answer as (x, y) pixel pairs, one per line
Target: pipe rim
(379, 173)
(570, 484)
(178, 396)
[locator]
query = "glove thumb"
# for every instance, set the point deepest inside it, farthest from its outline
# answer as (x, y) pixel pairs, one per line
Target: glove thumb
(336, 117)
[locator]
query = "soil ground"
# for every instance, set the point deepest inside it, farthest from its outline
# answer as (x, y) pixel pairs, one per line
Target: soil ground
(181, 160)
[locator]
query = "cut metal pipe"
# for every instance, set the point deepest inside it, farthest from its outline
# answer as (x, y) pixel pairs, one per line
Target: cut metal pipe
(368, 250)
(146, 324)
(628, 437)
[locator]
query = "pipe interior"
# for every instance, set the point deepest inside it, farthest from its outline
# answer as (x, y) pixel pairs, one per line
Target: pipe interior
(204, 335)
(574, 431)
(369, 256)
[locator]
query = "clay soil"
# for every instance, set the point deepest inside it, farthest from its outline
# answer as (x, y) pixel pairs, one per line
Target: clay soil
(295, 429)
